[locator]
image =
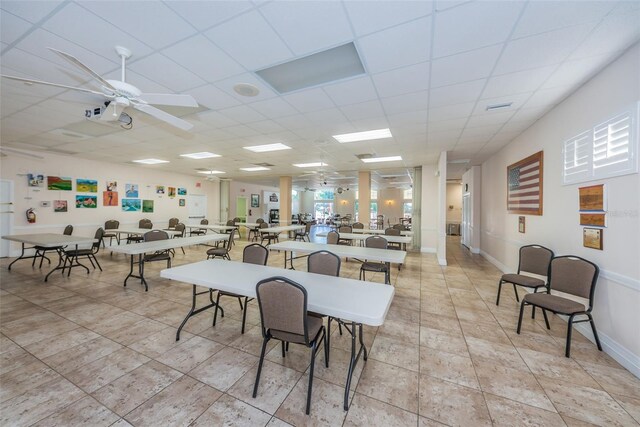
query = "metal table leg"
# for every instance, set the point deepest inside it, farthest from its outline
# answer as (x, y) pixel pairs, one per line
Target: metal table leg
(193, 311)
(354, 358)
(140, 272)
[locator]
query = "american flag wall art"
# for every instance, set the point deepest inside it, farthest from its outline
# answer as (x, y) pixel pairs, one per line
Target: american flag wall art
(524, 186)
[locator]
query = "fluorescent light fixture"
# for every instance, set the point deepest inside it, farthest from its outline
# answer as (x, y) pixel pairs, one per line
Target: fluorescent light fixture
(150, 161)
(267, 147)
(499, 106)
(309, 165)
(255, 169)
(201, 155)
(363, 136)
(211, 172)
(381, 159)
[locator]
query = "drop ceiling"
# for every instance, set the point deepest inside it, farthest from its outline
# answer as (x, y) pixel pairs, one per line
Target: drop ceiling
(431, 69)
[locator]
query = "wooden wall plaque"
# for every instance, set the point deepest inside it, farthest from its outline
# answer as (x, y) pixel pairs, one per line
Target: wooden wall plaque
(592, 198)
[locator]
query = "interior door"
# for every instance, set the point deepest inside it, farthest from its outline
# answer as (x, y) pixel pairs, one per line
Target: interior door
(197, 206)
(466, 220)
(241, 208)
(6, 215)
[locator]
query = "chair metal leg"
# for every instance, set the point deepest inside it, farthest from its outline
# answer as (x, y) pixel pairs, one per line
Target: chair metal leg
(522, 304)
(313, 360)
(515, 290)
(264, 348)
(546, 319)
(499, 290)
(325, 342)
(595, 334)
(283, 351)
(96, 260)
(567, 351)
(215, 311)
(244, 312)
(328, 340)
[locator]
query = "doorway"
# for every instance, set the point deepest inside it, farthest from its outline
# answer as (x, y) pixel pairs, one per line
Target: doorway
(466, 220)
(241, 208)
(6, 215)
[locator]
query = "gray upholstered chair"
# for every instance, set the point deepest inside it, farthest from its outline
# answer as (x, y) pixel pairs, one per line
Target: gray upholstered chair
(223, 251)
(172, 223)
(254, 232)
(333, 237)
(143, 223)
(252, 254)
(90, 254)
(42, 250)
(200, 231)
(345, 229)
(393, 232)
(236, 221)
(376, 242)
(358, 226)
(112, 224)
(283, 314)
(571, 275)
(180, 227)
(269, 237)
(304, 235)
(534, 259)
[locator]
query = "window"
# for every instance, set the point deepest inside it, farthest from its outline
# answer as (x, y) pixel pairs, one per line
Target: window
(374, 194)
(407, 208)
(323, 209)
(408, 194)
(323, 195)
(608, 150)
(374, 210)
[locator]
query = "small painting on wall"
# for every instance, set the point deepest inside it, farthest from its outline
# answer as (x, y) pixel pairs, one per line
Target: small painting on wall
(112, 186)
(131, 190)
(60, 206)
(521, 224)
(159, 189)
(172, 192)
(83, 201)
(131, 205)
(109, 198)
(255, 200)
(35, 180)
(182, 191)
(147, 206)
(86, 185)
(182, 202)
(61, 183)
(592, 238)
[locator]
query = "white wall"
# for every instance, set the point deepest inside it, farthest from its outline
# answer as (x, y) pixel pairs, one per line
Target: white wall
(454, 202)
(441, 248)
(472, 185)
(429, 209)
(390, 204)
(85, 221)
(237, 188)
(345, 203)
(617, 299)
(306, 202)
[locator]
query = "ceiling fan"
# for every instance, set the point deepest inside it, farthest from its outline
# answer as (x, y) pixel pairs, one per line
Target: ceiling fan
(120, 95)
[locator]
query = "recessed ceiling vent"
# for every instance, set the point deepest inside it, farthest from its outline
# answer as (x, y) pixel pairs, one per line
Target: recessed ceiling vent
(264, 165)
(503, 106)
(364, 156)
(322, 67)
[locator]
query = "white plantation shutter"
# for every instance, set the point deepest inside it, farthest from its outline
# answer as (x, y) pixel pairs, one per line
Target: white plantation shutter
(577, 158)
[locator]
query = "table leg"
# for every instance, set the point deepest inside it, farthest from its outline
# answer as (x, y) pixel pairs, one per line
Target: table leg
(60, 259)
(387, 274)
(354, 358)
(20, 257)
(140, 272)
(193, 311)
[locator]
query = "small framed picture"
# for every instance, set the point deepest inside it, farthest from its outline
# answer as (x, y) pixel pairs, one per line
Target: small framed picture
(255, 200)
(592, 238)
(181, 202)
(521, 224)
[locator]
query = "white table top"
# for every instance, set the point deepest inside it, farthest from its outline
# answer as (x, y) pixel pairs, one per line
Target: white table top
(380, 231)
(370, 254)
(161, 245)
(214, 227)
(49, 240)
(248, 224)
(140, 231)
(349, 299)
(282, 229)
(362, 237)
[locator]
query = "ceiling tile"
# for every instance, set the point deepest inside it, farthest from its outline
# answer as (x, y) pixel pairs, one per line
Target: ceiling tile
(352, 91)
(450, 112)
(363, 110)
(516, 100)
(370, 16)
(407, 102)
(16, 62)
(456, 94)
(518, 82)
(32, 11)
(616, 33)
(212, 97)
(242, 114)
(576, 71)
(273, 108)
(265, 91)
(251, 41)
(474, 25)
(309, 100)
(152, 23)
(457, 68)
(396, 47)
(548, 97)
(161, 69)
(495, 118)
(206, 14)
(12, 27)
(403, 80)
(292, 19)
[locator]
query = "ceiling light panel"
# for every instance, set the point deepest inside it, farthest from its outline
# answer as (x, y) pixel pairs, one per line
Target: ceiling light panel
(363, 136)
(309, 165)
(381, 159)
(150, 161)
(255, 169)
(211, 172)
(201, 155)
(267, 147)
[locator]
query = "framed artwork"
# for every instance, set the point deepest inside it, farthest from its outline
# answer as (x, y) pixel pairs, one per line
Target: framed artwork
(111, 186)
(592, 238)
(61, 183)
(131, 191)
(147, 206)
(35, 180)
(521, 224)
(593, 198)
(524, 185)
(182, 191)
(255, 200)
(182, 202)
(273, 198)
(131, 205)
(60, 206)
(86, 185)
(593, 219)
(172, 192)
(109, 198)
(83, 201)
(159, 189)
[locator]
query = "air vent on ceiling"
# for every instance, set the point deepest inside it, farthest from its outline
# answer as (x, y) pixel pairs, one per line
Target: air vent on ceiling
(60, 151)
(202, 169)
(264, 165)
(499, 106)
(364, 156)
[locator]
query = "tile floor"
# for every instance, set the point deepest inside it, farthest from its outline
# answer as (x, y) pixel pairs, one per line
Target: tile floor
(84, 350)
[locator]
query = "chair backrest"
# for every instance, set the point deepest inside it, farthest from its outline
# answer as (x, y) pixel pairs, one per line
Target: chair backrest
(204, 222)
(68, 230)
(230, 222)
(145, 223)
(112, 224)
(173, 222)
(392, 231)
(229, 242)
(376, 242)
(573, 275)
(345, 229)
(259, 221)
(95, 247)
(307, 227)
(358, 225)
(255, 254)
(400, 227)
(535, 259)
(324, 262)
(264, 225)
(152, 236)
(283, 306)
(236, 219)
(333, 237)
(180, 227)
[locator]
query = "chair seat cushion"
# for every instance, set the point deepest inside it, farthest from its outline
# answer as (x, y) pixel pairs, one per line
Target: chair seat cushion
(554, 303)
(79, 252)
(43, 248)
(109, 235)
(217, 251)
(313, 324)
(519, 279)
(157, 257)
(374, 266)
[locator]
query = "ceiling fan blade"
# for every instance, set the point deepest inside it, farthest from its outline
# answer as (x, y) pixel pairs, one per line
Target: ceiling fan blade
(168, 99)
(161, 115)
(39, 82)
(76, 62)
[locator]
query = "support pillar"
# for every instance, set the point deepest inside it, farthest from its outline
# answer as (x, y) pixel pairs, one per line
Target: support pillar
(286, 185)
(364, 197)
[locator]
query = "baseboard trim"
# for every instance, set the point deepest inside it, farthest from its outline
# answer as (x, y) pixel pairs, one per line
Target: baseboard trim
(442, 261)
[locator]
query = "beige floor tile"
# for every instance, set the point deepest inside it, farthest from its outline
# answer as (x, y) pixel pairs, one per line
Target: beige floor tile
(75, 357)
(229, 411)
(179, 404)
(276, 382)
(557, 367)
(508, 413)
(84, 412)
(427, 422)
(504, 355)
(440, 322)
(276, 422)
(365, 411)
(630, 404)
(155, 345)
(49, 347)
(225, 332)
(224, 368)
(298, 356)
(395, 352)
(137, 331)
(251, 341)
(401, 331)
(327, 402)
(390, 384)
(445, 341)
(14, 359)
(338, 368)
(489, 331)
(448, 366)
(614, 380)
(190, 353)
(24, 378)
